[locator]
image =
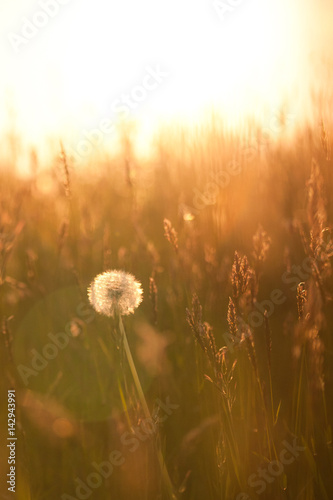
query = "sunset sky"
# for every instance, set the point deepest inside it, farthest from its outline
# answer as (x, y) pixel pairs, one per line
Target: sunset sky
(69, 65)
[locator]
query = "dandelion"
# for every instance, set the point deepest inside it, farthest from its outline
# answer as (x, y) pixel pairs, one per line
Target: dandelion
(115, 292)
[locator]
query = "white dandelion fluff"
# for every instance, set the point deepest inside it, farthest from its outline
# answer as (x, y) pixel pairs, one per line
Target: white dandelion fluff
(115, 292)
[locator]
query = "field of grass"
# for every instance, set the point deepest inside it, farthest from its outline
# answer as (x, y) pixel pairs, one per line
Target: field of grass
(231, 239)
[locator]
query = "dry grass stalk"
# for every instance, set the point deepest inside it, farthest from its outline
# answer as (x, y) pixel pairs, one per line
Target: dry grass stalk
(227, 385)
(307, 332)
(244, 283)
(7, 240)
(203, 332)
(232, 319)
(171, 234)
(63, 233)
(316, 359)
(268, 338)
(318, 247)
(301, 296)
(239, 275)
(261, 245)
(316, 210)
(249, 343)
(153, 297)
(107, 261)
(7, 337)
(324, 140)
(66, 179)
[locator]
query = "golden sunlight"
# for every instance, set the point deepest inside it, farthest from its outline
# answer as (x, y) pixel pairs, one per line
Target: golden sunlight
(166, 249)
(73, 67)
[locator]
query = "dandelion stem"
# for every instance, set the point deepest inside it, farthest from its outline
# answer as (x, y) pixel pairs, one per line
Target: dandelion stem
(145, 408)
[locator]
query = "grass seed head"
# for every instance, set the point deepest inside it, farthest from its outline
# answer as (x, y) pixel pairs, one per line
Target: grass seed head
(171, 234)
(232, 318)
(301, 296)
(261, 244)
(153, 296)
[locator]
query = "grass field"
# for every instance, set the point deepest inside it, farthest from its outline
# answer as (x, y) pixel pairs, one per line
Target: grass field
(231, 238)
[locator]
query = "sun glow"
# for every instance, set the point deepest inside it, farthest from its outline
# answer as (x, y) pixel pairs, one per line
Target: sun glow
(69, 62)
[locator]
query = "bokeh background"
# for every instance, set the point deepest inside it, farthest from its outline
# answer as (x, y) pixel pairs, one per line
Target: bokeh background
(229, 152)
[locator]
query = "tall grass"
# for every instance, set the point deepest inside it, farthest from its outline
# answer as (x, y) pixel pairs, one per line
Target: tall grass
(246, 377)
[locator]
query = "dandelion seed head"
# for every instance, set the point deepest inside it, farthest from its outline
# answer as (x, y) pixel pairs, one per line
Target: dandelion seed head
(115, 292)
